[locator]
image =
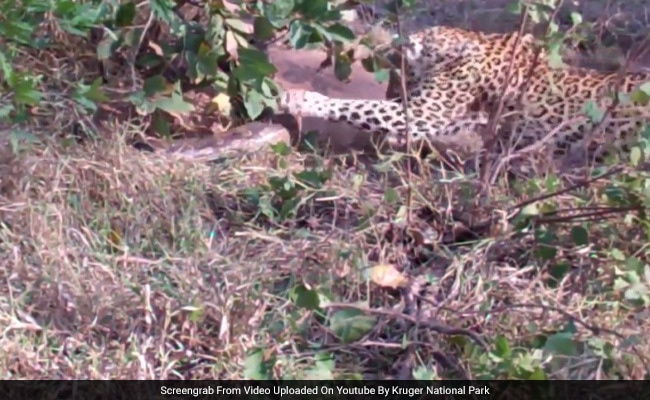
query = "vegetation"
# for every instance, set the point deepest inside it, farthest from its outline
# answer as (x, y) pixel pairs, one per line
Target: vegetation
(284, 264)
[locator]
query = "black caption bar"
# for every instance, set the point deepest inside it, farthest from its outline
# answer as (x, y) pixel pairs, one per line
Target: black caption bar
(325, 390)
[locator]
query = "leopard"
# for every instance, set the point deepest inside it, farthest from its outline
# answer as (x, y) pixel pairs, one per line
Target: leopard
(456, 77)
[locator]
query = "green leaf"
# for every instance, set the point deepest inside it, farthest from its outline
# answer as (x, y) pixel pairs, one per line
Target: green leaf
(422, 373)
(636, 292)
(149, 60)
(270, 88)
(312, 177)
(557, 273)
(254, 66)
(538, 375)
(106, 47)
(281, 148)
(28, 97)
(20, 140)
(317, 373)
(635, 156)
(95, 92)
(339, 33)
(409, 4)
(137, 98)
(617, 254)
(570, 327)
(238, 25)
(640, 96)
(323, 368)
(546, 252)
(620, 284)
(391, 196)
(277, 12)
(305, 298)
(125, 14)
(259, 59)
(160, 124)
(516, 7)
(555, 54)
(312, 9)
(164, 10)
(300, 34)
(576, 18)
(25, 91)
(593, 112)
(254, 104)
(5, 110)
(5, 65)
(325, 360)
(174, 104)
(64, 8)
(561, 344)
(530, 210)
(207, 65)
(502, 348)
(154, 85)
(580, 236)
(525, 362)
(255, 367)
(342, 69)
(634, 264)
(546, 249)
(262, 29)
(87, 104)
(382, 75)
(350, 325)
(288, 209)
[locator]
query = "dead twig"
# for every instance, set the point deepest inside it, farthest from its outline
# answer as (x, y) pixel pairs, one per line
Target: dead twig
(489, 138)
(405, 105)
(441, 329)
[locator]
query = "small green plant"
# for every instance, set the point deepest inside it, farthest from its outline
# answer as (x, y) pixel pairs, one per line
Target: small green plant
(216, 49)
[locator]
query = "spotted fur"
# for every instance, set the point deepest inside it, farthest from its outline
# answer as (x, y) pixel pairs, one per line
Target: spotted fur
(455, 78)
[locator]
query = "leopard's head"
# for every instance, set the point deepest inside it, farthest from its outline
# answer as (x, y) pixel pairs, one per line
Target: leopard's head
(441, 48)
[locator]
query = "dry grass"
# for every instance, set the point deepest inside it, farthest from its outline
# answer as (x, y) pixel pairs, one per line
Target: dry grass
(124, 265)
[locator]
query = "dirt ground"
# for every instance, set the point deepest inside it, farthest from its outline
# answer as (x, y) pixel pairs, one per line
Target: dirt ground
(122, 264)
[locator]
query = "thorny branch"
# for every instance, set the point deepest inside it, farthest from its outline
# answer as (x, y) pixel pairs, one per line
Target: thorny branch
(512, 211)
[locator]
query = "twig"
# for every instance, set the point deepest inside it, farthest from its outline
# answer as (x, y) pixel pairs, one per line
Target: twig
(537, 145)
(492, 123)
(490, 130)
(581, 184)
(512, 211)
(405, 97)
(136, 50)
(599, 215)
(441, 329)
